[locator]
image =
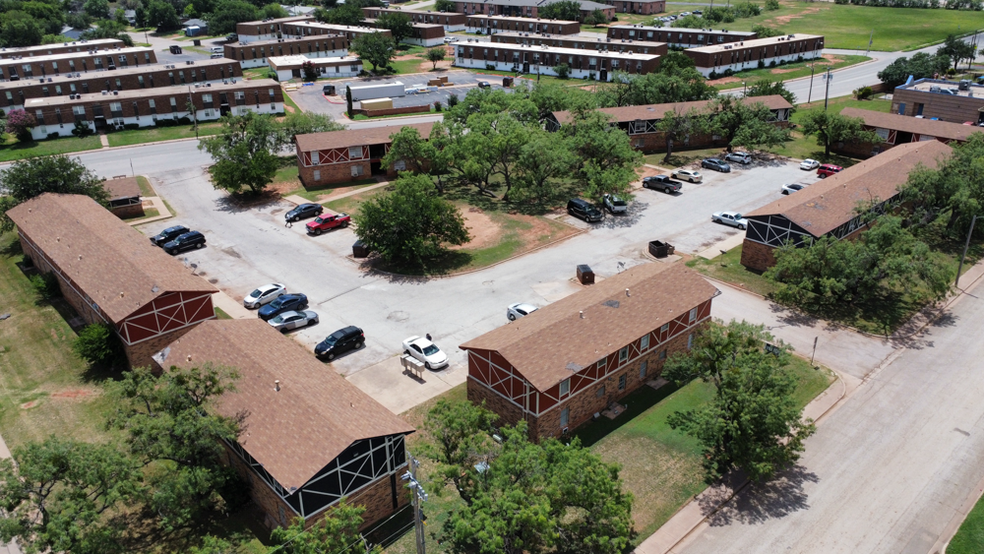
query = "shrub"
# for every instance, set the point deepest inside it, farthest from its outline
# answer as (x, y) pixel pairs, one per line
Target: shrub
(81, 129)
(97, 344)
(489, 67)
(714, 75)
(452, 100)
(45, 286)
(761, 64)
(863, 93)
(772, 5)
(131, 126)
(563, 71)
(437, 106)
(591, 76)
(51, 136)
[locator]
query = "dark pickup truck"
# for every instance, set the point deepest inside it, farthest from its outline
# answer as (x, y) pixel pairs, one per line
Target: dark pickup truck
(663, 183)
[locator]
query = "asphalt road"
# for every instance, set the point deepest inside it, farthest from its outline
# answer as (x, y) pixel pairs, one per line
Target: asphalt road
(888, 470)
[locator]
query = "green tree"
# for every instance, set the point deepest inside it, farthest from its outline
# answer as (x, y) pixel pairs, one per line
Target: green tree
(19, 32)
(444, 6)
(673, 83)
(32, 177)
(61, 493)
(336, 532)
(243, 153)
(411, 225)
(957, 49)
(410, 148)
(753, 423)
(746, 124)
(920, 66)
(169, 423)
(677, 126)
(399, 25)
(343, 14)
(831, 128)
(348, 100)
(140, 16)
(228, 13)
(97, 343)
(108, 28)
(120, 16)
(302, 123)
(567, 10)
(273, 11)
(374, 48)
(162, 15)
(96, 9)
(542, 167)
(596, 18)
(461, 436)
(434, 55)
(608, 161)
(765, 87)
(765, 31)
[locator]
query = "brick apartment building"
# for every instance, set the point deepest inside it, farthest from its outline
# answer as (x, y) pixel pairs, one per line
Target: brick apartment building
(255, 54)
(643, 7)
(561, 365)
(751, 54)
(488, 25)
(895, 129)
(311, 437)
(584, 64)
(291, 67)
(143, 108)
(124, 197)
(583, 43)
(335, 157)
(13, 94)
(828, 208)
(75, 62)
(452, 22)
(525, 8)
(678, 37)
(640, 122)
(422, 34)
(313, 28)
(110, 273)
(63, 48)
(268, 29)
(942, 100)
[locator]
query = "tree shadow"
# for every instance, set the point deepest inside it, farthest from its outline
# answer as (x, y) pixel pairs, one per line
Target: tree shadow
(791, 316)
(238, 203)
(759, 502)
(620, 221)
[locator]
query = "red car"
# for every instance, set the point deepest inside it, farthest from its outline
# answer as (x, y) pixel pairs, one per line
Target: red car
(827, 170)
(327, 222)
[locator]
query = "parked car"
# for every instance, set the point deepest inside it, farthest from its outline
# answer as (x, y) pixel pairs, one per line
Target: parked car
(614, 204)
(327, 222)
(582, 209)
(809, 164)
(264, 295)
(293, 320)
(698, 12)
(663, 183)
(730, 218)
(691, 175)
(716, 165)
(789, 189)
(342, 340)
(232, 37)
(449, 40)
(826, 170)
(169, 234)
(283, 303)
(516, 311)
(743, 158)
(304, 211)
(187, 241)
(484, 84)
(425, 351)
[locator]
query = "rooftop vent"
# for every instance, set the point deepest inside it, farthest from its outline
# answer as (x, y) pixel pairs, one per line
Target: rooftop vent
(276, 385)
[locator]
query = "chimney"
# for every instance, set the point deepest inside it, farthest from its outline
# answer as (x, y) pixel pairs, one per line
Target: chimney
(276, 385)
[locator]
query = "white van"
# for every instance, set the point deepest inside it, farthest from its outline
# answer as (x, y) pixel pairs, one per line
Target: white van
(216, 50)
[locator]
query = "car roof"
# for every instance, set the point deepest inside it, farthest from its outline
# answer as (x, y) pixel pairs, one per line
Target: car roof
(175, 228)
(525, 306)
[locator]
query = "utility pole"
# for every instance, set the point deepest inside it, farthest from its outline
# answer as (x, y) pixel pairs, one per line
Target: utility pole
(419, 495)
(870, 39)
(964, 255)
(813, 68)
(193, 110)
(828, 77)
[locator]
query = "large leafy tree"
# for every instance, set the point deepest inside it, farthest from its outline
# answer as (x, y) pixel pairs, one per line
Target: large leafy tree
(957, 49)
(20, 29)
(920, 66)
(171, 427)
(399, 25)
(228, 13)
(302, 123)
(677, 126)
(542, 167)
(28, 178)
(752, 423)
(676, 81)
(411, 225)
(765, 87)
(746, 124)
(567, 10)
(162, 15)
(61, 494)
(336, 532)
(243, 151)
(831, 128)
(460, 437)
(608, 161)
(421, 155)
(374, 48)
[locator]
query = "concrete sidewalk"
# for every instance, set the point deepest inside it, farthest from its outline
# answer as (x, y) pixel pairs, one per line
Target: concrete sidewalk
(390, 385)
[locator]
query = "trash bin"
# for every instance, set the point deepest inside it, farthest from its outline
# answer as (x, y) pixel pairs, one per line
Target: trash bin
(584, 274)
(197, 42)
(175, 49)
(661, 249)
(360, 250)
(328, 90)
(507, 82)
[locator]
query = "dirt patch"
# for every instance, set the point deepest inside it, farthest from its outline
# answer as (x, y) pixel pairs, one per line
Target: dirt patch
(784, 19)
(724, 81)
(29, 405)
(484, 232)
(76, 393)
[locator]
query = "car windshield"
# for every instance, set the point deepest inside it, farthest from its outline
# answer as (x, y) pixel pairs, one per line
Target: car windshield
(279, 302)
(330, 340)
(319, 219)
(257, 293)
(737, 216)
(430, 350)
(279, 319)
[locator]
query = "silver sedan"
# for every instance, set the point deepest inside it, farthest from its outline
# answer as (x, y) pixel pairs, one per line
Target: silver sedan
(293, 320)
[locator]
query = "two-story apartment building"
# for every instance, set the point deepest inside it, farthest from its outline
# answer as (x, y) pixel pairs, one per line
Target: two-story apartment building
(452, 22)
(312, 28)
(61, 48)
(525, 8)
(582, 43)
(15, 69)
(678, 37)
(938, 99)
(267, 29)
(752, 54)
(255, 54)
(598, 64)
(487, 25)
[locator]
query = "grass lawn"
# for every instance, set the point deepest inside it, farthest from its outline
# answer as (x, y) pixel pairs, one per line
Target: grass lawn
(143, 136)
(970, 537)
(257, 73)
(403, 67)
(148, 213)
(145, 189)
(789, 71)
(11, 149)
(288, 101)
(221, 314)
(317, 194)
(727, 267)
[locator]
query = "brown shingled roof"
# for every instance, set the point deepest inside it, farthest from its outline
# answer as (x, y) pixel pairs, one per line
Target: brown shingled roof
(655, 111)
(542, 345)
(931, 127)
(125, 187)
(297, 431)
(108, 260)
(354, 137)
(828, 204)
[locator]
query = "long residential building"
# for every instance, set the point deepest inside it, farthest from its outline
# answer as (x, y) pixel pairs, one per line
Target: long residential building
(751, 54)
(678, 37)
(291, 67)
(452, 22)
(422, 34)
(13, 94)
(311, 28)
(942, 100)
(642, 7)
(583, 64)
(255, 54)
(63, 48)
(526, 8)
(487, 25)
(268, 29)
(57, 116)
(894, 129)
(75, 62)
(829, 207)
(583, 43)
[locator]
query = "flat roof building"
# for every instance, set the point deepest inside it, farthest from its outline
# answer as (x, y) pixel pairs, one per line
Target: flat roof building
(678, 37)
(452, 22)
(75, 62)
(488, 25)
(718, 59)
(291, 67)
(642, 7)
(311, 28)
(582, 42)
(942, 100)
(61, 48)
(255, 54)
(584, 64)
(526, 8)
(422, 34)
(268, 29)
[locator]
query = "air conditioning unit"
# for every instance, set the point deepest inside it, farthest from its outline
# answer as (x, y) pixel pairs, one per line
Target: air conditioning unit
(116, 93)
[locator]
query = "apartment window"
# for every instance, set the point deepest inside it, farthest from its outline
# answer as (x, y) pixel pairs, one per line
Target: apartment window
(690, 341)
(621, 382)
(39, 115)
(664, 328)
(623, 354)
(10, 97)
(207, 98)
(71, 88)
(181, 77)
(642, 369)
(565, 418)
(693, 315)
(565, 387)
(662, 355)
(356, 170)
(170, 75)
(28, 71)
(602, 362)
(44, 91)
(601, 392)
(71, 65)
(115, 107)
(147, 57)
(644, 342)
(97, 62)
(119, 85)
(317, 174)
(355, 152)
(153, 105)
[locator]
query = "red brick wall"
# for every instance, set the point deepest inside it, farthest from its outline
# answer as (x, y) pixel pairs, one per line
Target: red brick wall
(332, 174)
(131, 210)
(392, 111)
(83, 63)
(509, 413)
(287, 47)
(757, 256)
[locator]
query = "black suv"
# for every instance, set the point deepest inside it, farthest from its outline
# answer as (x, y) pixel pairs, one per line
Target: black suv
(304, 211)
(187, 241)
(582, 209)
(283, 303)
(342, 340)
(169, 234)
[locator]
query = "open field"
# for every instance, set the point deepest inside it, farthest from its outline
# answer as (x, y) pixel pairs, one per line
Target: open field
(156, 134)
(11, 149)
